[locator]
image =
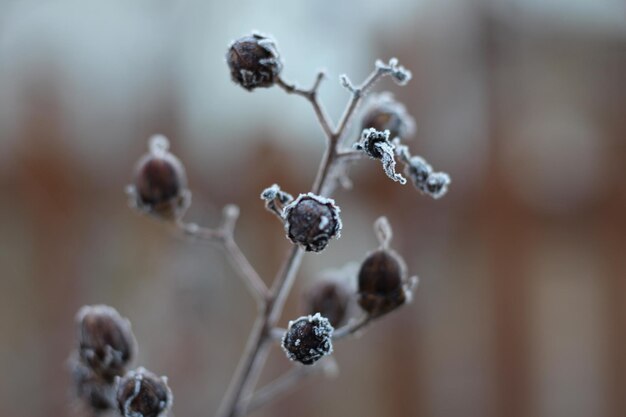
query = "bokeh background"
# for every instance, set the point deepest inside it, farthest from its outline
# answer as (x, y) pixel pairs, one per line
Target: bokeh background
(521, 309)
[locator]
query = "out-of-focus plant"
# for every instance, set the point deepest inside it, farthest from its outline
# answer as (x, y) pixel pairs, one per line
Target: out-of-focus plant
(106, 345)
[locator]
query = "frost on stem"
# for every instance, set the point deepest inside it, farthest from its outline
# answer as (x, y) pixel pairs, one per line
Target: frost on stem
(140, 393)
(376, 145)
(397, 72)
(159, 185)
(275, 199)
(254, 61)
(308, 339)
(311, 221)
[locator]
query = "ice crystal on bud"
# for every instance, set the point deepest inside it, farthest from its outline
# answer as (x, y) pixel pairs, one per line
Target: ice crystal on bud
(434, 184)
(376, 145)
(308, 339)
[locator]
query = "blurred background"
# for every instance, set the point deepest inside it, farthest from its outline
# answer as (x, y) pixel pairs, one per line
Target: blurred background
(521, 309)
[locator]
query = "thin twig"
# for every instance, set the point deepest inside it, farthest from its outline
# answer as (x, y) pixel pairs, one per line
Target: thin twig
(312, 96)
(289, 381)
(352, 327)
(224, 235)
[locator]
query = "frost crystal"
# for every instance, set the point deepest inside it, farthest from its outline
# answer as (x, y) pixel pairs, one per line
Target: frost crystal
(311, 221)
(399, 74)
(376, 145)
(275, 199)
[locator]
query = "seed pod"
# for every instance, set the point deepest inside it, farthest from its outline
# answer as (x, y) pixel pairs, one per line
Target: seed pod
(385, 113)
(329, 298)
(92, 390)
(254, 61)
(437, 184)
(382, 279)
(160, 182)
(140, 393)
(418, 170)
(311, 221)
(308, 339)
(106, 342)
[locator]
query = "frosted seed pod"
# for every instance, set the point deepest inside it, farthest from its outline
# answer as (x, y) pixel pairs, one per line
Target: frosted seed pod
(418, 170)
(329, 298)
(254, 61)
(383, 112)
(382, 282)
(106, 342)
(160, 182)
(142, 393)
(437, 184)
(311, 221)
(308, 339)
(90, 389)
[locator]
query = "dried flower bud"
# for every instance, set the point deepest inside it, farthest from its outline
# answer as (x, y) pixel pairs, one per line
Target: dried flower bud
(385, 113)
(308, 339)
(418, 170)
(382, 282)
(92, 390)
(376, 145)
(106, 342)
(311, 221)
(330, 298)
(160, 183)
(254, 61)
(437, 184)
(275, 199)
(140, 393)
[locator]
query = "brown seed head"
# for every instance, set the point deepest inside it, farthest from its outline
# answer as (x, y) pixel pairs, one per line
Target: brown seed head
(308, 339)
(106, 342)
(311, 221)
(142, 393)
(382, 280)
(254, 61)
(329, 298)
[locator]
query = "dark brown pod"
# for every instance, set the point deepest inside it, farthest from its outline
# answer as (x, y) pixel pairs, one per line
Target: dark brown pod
(142, 393)
(311, 221)
(383, 112)
(105, 340)
(95, 393)
(308, 339)
(254, 61)
(330, 298)
(382, 282)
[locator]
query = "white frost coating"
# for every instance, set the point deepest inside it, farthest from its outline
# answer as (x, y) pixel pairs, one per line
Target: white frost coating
(158, 145)
(399, 74)
(389, 163)
(138, 376)
(270, 192)
(323, 222)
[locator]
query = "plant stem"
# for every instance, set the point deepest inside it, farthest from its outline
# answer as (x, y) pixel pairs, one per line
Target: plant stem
(237, 399)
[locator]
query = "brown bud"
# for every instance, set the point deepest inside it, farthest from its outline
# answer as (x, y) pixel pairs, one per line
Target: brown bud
(95, 393)
(142, 393)
(382, 282)
(383, 112)
(329, 298)
(311, 221)
(106, 342)
(160, 182)
(308, 339)
(254, 61)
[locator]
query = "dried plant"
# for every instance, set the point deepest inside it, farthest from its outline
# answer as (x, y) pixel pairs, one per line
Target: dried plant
(106, 345)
